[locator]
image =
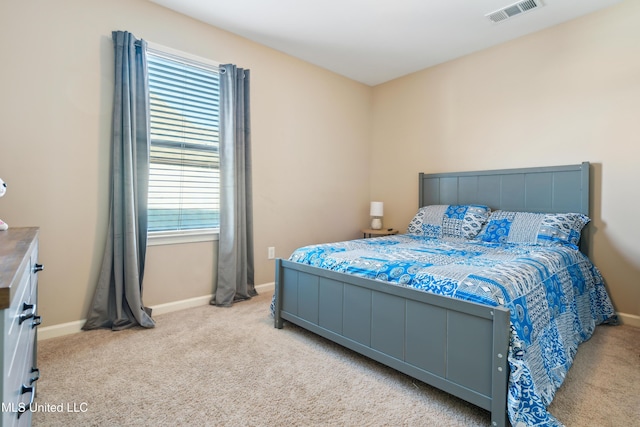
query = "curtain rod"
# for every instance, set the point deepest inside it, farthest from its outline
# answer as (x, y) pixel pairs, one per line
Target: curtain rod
(184, 57)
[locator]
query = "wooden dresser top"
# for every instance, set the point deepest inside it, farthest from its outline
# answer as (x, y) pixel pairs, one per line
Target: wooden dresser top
(15, 243)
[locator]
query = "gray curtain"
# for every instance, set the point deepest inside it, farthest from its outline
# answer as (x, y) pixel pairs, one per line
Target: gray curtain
(117, 302)
(235, 250)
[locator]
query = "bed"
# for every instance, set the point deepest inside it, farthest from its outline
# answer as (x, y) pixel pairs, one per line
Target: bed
(479, 312)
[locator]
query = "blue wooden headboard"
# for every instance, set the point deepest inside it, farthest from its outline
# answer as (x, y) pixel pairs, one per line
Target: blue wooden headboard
(553, 189)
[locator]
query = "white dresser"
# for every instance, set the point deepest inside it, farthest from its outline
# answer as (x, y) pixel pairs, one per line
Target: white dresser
(18, 302)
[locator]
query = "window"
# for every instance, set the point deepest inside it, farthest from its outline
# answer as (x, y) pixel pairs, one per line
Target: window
(184, 176)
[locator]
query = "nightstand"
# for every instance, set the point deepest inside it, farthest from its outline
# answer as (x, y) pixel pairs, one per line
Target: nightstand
(370, 232)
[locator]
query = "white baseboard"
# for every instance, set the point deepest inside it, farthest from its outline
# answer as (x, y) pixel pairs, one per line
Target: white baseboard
(180, 305)
(629, 319)
(60, 330)
(76, 326)
(266, 287)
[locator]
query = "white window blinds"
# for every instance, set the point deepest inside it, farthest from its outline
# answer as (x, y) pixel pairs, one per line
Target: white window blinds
(184, 176)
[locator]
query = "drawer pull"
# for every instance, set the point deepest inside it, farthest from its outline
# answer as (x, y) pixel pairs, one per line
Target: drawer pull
(24, 389)
(36, 377)
(25, 316)
(37, 320)
(38, 267)
(22, 410)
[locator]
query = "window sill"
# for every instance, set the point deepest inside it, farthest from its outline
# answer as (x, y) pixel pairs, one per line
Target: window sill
(158, 238)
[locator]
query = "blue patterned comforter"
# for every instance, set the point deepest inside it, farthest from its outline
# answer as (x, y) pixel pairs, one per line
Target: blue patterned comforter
(556, 297)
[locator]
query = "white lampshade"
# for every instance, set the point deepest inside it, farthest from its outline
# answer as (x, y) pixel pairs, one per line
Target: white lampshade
(376, 209)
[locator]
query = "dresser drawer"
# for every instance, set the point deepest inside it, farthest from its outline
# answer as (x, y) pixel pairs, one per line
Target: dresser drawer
(13, 319)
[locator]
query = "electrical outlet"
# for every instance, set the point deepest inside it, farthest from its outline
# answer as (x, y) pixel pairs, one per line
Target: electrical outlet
(271, 252)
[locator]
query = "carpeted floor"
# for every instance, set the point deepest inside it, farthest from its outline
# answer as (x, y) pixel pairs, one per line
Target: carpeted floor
(212, 366)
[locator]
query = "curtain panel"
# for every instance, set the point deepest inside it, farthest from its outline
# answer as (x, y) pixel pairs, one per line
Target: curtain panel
(117, 301)
(235, 281)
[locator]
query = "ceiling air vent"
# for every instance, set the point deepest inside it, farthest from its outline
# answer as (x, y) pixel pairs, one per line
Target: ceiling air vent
(513, 10)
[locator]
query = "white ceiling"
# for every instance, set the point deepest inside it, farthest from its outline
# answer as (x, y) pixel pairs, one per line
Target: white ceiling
(374, 41)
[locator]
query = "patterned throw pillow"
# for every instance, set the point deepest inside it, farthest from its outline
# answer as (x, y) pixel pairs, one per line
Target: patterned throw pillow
(438, 221)
(537, 228)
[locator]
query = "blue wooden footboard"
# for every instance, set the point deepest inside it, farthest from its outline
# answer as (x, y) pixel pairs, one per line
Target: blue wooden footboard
(457, 346)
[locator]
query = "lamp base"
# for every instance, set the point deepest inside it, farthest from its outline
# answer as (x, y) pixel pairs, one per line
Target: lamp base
(376, 223)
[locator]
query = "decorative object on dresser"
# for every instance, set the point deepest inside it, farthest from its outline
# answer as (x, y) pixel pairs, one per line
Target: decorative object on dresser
(3, 189)
(19, 320)
(376, 212)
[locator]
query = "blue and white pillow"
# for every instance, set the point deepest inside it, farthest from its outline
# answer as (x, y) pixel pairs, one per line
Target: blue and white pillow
(444, 221)
(534, 228)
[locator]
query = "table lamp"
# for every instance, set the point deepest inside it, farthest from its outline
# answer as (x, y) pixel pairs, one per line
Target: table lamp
(376, 215)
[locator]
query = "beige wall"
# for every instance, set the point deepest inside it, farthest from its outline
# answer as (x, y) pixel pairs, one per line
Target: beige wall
(311, 142)
(561, 96)
(323, 146)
